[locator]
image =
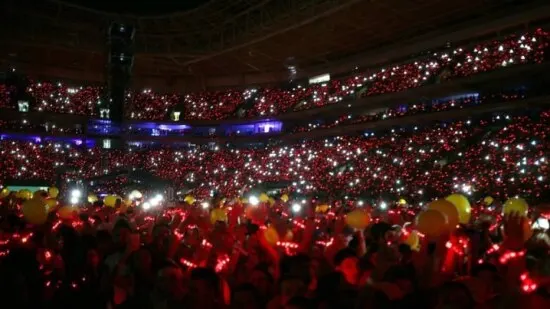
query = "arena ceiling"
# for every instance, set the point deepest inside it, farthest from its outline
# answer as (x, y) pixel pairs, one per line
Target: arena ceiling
(198, 40)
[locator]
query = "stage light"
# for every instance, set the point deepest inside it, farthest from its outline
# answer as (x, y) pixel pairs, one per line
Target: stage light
(76, 194)
(254, 200)
(135, 195)
(541, 223)
(296, 207)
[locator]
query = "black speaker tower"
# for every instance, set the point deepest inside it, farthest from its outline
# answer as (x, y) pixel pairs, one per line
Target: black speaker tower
(120, 43)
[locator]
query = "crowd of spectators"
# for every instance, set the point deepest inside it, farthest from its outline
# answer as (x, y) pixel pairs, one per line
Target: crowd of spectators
(445, 104)
(507, 154)
(29, 127)
(264, 102)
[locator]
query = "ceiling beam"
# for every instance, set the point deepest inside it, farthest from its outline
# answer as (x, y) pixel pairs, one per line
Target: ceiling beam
(277, 32)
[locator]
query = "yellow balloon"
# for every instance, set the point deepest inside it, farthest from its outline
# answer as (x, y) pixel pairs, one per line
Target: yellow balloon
(448, 209)
(51, 204)
(462, 205)
(488, 200)
(218, 214)
(322, 208)
(284, 198)
(271, 235)
(34, 211)
(189, 199)
(515, 204)
(527, 230)
(402, 201)
(24, 194)
(264, 198)
(67, 212)
(412, 240)
(110, 200)
(53, 192)
(358, 219)
(92, 198)
(431, 222)
(4, 192)
(39, 194)
(271, 201)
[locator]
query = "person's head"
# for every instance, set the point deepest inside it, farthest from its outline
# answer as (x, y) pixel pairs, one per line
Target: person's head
(262, 280)
(121, 233)
(161, 236)
(92, 258)
(297, 266)
(246, 296)
(292, 286)
(142, 261)
(104, 241)
(170, 281)
(454, 295)
(402, 276)
(299, 302)
(487, 273)
(346, 262)
(327, 285)
(206, 285)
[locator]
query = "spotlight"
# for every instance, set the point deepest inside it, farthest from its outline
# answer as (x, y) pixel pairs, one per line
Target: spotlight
(296, 207)
(541, 223)
(135, 195)
(76, 194)
(383, 205)
(155, 201)
(146, 205)
(253, 200)
(205, 205)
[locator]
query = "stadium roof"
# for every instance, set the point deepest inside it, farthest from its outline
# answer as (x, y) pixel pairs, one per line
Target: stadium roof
(216, 43)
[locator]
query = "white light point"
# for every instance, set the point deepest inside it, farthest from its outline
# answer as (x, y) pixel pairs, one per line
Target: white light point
(253, 200)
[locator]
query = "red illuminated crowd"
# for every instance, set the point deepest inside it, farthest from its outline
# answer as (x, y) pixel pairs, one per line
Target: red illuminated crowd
(452, 214)
(262, 102)
(507, 153)
(453, 103)
(354, 225)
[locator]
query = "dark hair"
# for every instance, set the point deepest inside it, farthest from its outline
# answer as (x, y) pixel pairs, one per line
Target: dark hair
(103, 235)
(342, 255)
(327, 284)
(208, 275)
(122, 224)
(379, 230)
(457, 286)
(263, 268)
(249, 288)
(476, 269)
(399, 272)
(290, 263)
(301, 302)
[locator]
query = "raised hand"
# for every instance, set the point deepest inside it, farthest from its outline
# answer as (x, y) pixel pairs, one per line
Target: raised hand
(514, 233)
